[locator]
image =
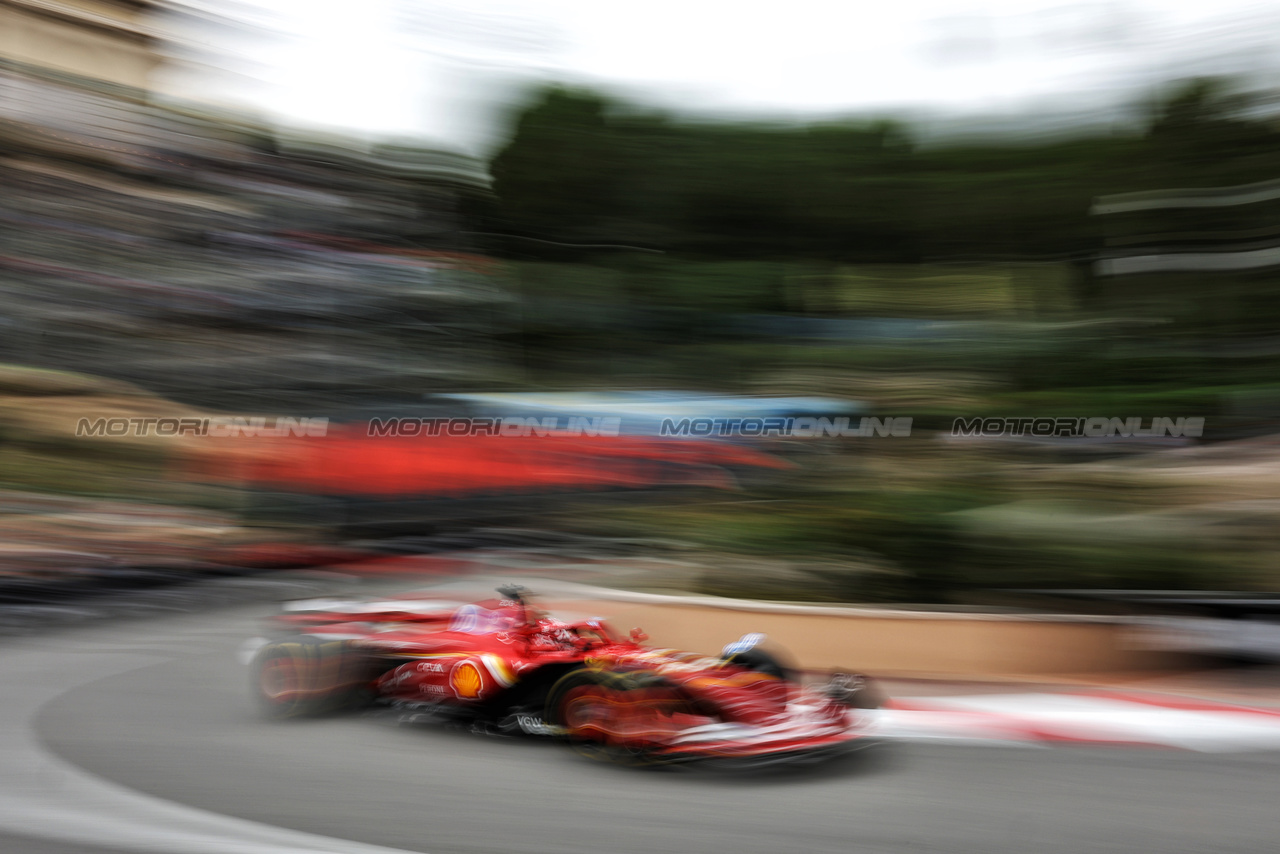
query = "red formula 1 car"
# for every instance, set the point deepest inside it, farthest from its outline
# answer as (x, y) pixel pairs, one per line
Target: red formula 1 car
(503, 666)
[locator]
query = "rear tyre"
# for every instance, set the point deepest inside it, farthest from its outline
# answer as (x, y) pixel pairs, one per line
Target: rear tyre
(308, 676)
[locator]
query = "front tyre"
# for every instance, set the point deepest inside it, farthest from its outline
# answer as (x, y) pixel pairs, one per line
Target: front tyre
(855, 691)
(622, 718)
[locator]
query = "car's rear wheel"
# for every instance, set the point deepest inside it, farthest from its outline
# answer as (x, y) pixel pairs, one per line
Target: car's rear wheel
(306, 676)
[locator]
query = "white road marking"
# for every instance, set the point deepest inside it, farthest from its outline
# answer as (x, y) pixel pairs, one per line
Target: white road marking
(45, 797)
(1012, 718)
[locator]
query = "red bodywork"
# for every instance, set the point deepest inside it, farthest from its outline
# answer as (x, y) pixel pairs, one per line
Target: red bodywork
(500, 659)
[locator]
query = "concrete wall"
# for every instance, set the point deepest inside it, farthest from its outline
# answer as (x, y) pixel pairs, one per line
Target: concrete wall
(886, 642)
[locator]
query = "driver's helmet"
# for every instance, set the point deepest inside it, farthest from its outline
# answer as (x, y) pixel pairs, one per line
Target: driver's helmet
(478, 620)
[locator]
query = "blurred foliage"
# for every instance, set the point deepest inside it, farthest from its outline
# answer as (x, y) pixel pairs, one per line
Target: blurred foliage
(944, 540)
(927, 277)
(585, 168)
(632, 234)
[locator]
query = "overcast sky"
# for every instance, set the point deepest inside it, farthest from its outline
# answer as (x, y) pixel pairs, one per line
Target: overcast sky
(444, 71)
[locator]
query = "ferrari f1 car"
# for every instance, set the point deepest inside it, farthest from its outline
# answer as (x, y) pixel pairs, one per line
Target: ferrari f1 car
(503, 666)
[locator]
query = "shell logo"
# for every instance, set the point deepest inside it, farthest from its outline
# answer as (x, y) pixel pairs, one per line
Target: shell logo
(466, 680)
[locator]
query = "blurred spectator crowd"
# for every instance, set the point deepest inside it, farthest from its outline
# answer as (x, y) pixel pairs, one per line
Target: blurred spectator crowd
(205, 259)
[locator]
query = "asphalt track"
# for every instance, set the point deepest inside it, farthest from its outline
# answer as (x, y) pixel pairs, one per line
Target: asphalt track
(140, 736)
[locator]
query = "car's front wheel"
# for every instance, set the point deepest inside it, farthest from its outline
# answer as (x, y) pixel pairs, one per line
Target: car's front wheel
(616, 717)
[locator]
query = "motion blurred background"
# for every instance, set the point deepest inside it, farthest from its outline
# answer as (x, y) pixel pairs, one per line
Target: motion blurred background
(288, 209)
